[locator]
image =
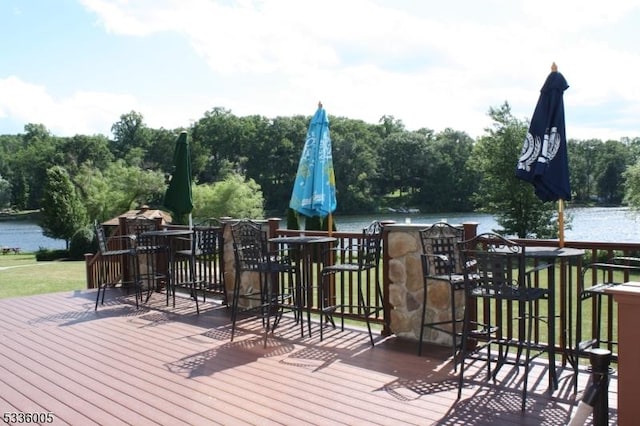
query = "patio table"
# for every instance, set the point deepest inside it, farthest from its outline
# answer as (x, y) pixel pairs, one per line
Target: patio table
(304, 281)
(551, 255)
(166, 240)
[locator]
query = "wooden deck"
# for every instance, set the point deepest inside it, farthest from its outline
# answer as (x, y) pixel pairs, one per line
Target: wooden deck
(159, 365)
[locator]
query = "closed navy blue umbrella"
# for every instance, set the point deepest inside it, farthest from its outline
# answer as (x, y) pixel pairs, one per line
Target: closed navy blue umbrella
(543, 161)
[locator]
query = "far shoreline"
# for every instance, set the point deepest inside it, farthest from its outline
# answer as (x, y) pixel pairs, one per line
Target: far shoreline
(24, 215)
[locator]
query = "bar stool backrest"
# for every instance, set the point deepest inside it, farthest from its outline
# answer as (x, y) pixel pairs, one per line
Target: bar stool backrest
(138, 226)
(441, 256)
(249, 245)
(102, 239)
(206, 240)
(495, 266)
(371, 246)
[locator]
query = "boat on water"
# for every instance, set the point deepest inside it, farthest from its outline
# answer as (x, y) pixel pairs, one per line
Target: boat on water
(403, 210)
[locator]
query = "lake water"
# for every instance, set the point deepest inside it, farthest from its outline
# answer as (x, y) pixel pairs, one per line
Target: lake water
(608, 224)
(27, 236)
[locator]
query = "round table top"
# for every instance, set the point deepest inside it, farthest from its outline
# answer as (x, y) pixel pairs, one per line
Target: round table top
(167, 233)
(303, 239)
(552, 252)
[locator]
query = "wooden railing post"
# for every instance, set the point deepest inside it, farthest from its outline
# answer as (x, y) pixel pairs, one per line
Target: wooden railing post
(386, 326)
(471, 231)
(89, 269)
(124, 267)
(273, 225)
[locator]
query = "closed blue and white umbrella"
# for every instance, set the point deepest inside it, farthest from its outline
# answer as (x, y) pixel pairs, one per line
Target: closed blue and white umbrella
(314, 189)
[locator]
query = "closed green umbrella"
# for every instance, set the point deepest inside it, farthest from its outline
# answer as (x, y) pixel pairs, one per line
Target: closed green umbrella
(178, 198)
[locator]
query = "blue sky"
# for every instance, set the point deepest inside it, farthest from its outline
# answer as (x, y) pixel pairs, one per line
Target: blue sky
(77, 65)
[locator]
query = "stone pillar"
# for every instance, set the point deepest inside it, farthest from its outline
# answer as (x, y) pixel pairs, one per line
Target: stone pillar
(404, 274)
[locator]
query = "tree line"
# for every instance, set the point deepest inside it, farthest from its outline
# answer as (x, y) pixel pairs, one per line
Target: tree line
(376, 165)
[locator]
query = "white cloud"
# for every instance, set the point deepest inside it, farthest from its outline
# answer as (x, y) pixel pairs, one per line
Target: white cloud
(429, 65)
(20, 99)
(82, 113)
(576, 15)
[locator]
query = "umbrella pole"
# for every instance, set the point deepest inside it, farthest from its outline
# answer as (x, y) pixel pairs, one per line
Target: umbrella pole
(561, 222)
(330, 224)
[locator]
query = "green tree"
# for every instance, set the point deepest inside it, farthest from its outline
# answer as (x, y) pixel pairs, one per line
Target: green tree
(278, 145)
(632, 185)
(581, 168)
(514, 203)
(118, 188)
(356, 158)
(234, 197)
(80, 149)
(132, 138)
(29, 164)
(388, 125)
(403, 162)
(613, 159)
(9, 145)
(446, 182)
(10, 148)
(20, 191)
(634, 148)
(159, 155)
(62, 212)
(224, 138)
(5, 193)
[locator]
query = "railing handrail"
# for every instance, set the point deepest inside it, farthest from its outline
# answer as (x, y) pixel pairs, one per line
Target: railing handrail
(585, 245)
(92, 261)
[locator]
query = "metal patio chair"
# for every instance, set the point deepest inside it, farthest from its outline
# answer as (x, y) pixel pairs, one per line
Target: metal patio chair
(262, 294)
(498, 283)
(363, 260)
(124, 254)
(442, 267)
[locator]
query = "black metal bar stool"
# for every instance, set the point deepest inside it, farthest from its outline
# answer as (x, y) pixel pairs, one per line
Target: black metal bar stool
(360, 259)
(442, 267)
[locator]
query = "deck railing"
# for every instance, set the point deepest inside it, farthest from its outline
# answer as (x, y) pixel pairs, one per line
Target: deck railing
(115, 268)
(209, 268)
(343, 285)
(568, 278)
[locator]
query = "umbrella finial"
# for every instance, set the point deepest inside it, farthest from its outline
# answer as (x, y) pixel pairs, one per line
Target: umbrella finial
(319, 104)
(554, 67)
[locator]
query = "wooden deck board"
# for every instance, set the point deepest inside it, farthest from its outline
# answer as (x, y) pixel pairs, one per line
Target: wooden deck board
(141, 373)
(165, 365)
(96, 391)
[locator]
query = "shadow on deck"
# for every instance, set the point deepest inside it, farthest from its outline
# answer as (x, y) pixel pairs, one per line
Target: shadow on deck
(160, 365)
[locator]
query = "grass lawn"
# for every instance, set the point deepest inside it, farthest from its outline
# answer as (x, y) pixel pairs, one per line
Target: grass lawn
(22, 275)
